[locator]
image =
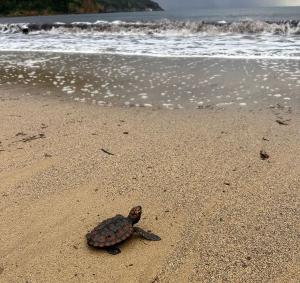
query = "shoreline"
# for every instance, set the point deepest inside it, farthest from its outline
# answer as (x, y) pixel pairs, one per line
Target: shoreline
(220, 210)
(129, 55)
(111, 80)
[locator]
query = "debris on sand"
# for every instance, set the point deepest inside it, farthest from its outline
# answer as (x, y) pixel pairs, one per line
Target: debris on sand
(264, 155)
(282, 122)
(107, 152)
(20, 134)
(35, 137)
(210, 107)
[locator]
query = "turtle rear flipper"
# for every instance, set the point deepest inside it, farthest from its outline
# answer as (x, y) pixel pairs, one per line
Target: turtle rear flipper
(113, 250)
(146, 235)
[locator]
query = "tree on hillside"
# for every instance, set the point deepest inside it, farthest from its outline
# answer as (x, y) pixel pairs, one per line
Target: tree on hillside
(27, 7)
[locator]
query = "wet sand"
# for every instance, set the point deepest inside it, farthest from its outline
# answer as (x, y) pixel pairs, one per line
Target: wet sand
(158, 83)
(223, 213)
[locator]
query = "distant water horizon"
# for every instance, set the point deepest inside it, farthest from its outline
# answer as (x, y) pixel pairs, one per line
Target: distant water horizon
(275, 13)
(264, 32)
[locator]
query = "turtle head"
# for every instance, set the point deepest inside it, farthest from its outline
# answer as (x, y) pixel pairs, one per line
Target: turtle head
(135, 214)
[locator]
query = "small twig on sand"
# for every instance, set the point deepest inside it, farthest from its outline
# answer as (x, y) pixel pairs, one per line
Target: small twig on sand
(31, 138)
(107, 152)
(282, 122)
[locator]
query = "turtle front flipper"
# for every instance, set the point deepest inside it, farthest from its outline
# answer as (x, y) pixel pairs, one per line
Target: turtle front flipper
(113, 250)
(146, 235)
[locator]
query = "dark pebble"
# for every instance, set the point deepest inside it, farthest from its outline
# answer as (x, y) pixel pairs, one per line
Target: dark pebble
(264, 155)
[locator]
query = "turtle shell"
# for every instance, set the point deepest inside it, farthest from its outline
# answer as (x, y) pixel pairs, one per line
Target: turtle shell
(110, 232)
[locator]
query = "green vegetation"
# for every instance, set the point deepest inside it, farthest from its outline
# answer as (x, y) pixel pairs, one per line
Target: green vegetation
(46, 7)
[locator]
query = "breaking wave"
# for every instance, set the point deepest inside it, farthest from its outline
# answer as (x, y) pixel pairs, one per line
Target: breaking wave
(291, 27)
(163, 38)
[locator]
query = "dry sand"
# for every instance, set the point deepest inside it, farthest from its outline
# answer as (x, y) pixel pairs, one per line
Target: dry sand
(224, 215)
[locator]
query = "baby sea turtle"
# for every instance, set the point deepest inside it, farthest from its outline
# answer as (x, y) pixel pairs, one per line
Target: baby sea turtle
(109, 233)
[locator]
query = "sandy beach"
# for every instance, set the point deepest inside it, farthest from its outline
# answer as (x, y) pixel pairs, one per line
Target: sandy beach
(223, 213)
(191, 113)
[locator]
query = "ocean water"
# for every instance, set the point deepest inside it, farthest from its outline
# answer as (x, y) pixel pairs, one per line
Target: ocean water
(229, 33)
